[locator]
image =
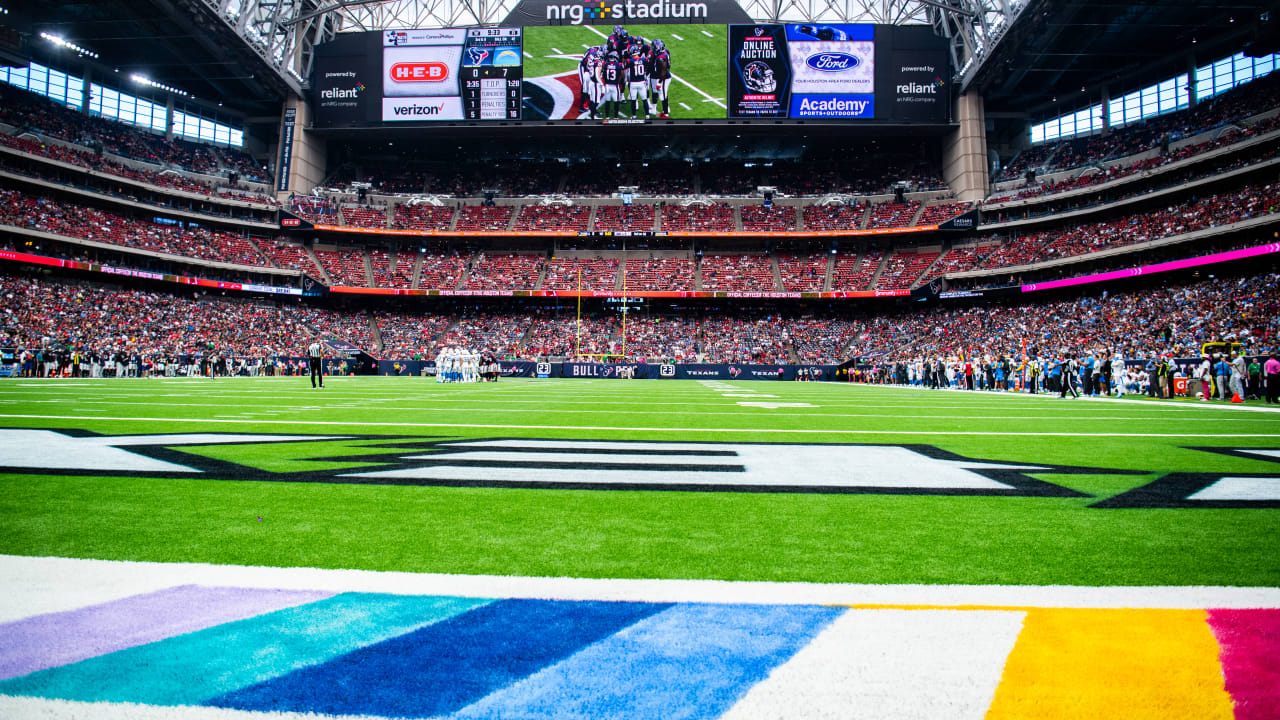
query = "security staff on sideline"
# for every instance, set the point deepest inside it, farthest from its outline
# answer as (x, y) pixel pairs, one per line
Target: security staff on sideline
(315, 357)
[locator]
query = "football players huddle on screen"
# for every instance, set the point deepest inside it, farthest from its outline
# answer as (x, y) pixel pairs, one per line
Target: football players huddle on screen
(458, 365)
(626, 69)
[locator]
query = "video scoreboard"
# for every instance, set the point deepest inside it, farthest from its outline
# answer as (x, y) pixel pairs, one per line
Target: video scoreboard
(735, 72)
(492, 67)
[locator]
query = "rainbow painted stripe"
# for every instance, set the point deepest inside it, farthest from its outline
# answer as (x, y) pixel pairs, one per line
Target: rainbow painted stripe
(418, 656)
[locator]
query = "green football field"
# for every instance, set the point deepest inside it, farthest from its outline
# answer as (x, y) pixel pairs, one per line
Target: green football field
(698, 57)
(643, 479)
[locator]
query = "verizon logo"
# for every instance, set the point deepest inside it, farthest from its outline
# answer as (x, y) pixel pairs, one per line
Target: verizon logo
(417, 109)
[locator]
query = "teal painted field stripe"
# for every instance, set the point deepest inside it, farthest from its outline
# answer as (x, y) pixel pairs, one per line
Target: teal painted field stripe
(190, 669)
(691, 662)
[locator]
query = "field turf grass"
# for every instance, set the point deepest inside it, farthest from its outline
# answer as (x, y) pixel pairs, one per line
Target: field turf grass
(697, 60)
(606, 533)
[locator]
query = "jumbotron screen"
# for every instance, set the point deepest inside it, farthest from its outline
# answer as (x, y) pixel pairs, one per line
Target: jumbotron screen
(633, 73)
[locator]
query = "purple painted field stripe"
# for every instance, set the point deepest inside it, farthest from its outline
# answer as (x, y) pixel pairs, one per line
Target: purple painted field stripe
(1250, 656)
(46, 641)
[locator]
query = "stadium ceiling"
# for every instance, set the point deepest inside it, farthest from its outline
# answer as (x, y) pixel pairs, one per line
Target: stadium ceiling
(281, 27)
(1062, 55)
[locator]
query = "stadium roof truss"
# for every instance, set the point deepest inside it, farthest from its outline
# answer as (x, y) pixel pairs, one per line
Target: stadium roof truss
(285, 32)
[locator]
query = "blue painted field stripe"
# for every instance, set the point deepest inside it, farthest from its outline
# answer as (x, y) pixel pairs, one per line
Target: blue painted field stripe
(446, 666)
(690, 662)
(189, 669)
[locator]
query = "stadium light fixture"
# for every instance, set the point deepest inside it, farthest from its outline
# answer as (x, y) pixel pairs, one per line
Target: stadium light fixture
(144, 80)
(64, 43)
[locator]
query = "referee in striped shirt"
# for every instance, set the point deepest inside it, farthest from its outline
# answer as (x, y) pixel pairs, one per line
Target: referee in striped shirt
(315, 358)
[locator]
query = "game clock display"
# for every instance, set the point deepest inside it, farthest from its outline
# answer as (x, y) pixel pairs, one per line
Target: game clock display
(492, 71)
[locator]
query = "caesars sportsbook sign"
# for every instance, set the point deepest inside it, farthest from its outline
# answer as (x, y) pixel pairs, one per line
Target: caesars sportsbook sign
(614, 12)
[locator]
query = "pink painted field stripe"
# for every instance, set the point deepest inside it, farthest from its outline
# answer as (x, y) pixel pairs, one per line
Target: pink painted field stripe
(1250, 656)
(1157, 268)
(46, 641)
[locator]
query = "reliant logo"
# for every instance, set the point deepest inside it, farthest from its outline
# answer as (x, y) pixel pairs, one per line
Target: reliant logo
(350, 93)
(417, 109)
(917, 89)
(602, 9)
(832, 62)
(420, 72)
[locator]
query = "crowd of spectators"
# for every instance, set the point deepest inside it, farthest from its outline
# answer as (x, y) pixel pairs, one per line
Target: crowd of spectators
(629, 218)
(903, 269)
(553, 217)
(102, 320)
(851, 274)
(892, 214)
(441, 271)
(344, 266)
(1232, 106)
(1176, 219)
(758, 218)
(503, 271)
(834, 217)
(422, 217)
(30, 112)
(410, 336)
(392, 269)
(77, 221)
(1170, 319)
(484, 217)
(802, 273)
(714, 217)
(742, 273)
(659, 273)
(587, 273)
(362, 216)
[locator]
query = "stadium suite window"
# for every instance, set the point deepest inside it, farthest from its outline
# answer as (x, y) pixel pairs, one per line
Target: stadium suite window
(57, 86)
(105, 102)
(1167, 96)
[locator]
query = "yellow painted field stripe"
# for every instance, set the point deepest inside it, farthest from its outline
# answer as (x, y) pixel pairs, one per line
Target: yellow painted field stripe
(1096, 664)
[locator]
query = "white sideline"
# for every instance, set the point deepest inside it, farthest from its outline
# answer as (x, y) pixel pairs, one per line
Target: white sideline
(37, 585)
(611, 428)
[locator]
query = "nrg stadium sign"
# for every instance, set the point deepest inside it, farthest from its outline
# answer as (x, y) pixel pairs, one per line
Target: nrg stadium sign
(613, 12)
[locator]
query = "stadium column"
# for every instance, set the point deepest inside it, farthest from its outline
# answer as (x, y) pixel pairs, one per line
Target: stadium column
(964, 159)
(306, 168)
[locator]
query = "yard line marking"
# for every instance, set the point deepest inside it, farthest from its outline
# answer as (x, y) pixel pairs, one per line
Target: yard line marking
(704, 32)
(686, 107)
(37, 582)
(676, 36)
(586, 46)
(611, 428)
(528, 55)
(556, 50)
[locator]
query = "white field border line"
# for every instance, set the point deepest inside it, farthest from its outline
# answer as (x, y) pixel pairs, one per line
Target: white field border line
(181, 399)
(1132, 398)
(502, 408)
(50, 709)
(675, 77)
(62, 581)
(611, 428)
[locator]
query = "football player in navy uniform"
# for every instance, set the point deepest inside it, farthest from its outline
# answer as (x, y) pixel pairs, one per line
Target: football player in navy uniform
(617, 41)
(613, 76)
(660, 75)
(588, 76)
(638, 81)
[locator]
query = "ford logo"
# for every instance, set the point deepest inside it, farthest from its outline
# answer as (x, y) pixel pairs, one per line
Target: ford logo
(832, 62)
